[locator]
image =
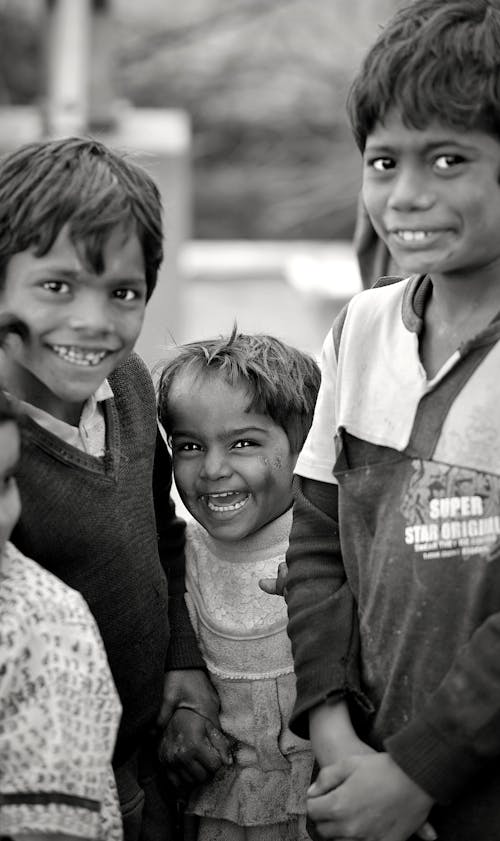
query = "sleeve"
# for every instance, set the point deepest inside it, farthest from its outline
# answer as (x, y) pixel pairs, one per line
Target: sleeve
(183, 651)
(458, 732)
(42, 790)
(321, 608)
(322, 625)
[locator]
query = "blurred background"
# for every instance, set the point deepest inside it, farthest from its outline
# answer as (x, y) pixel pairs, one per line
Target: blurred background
(237, 107)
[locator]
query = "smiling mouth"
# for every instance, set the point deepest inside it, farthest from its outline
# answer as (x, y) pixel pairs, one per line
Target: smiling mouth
(413, 236)
(80, 356)
(225, 501)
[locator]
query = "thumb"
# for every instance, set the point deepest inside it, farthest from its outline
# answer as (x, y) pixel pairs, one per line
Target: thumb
(331, 776)
(221, 744)
(268, 585)
(426, 832)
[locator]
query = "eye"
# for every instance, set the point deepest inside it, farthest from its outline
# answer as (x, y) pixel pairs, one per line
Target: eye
(58, 287)
(244, 443)
(447, 162)
(127, 295)
(381, 164)
(186, 447)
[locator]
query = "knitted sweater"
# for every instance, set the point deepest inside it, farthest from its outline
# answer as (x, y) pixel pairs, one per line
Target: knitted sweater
(91, 522)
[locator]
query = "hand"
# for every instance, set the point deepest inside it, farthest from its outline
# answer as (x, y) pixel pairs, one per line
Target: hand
(192, 749)
(368, 797)
(191, 689)
(275, 586)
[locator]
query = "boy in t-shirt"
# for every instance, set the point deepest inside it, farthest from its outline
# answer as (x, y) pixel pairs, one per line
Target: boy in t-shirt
(394, 558)
(80, 248)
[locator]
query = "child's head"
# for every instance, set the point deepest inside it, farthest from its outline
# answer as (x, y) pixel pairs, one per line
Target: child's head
(80, 248)
(83, 186)
(434, 61)
(425, 110)
(237, 411)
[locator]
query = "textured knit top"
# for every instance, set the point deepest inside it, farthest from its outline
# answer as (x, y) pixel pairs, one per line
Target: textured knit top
(91, 521)
(242, 634)
(59, 710)
(402, 615)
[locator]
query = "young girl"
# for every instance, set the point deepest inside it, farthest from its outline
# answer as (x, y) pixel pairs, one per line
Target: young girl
(236, 412)
(59, 711)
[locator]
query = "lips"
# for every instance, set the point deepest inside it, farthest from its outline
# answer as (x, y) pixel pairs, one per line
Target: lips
(83, 357)
(225, 501)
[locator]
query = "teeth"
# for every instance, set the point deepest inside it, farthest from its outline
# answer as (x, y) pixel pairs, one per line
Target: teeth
(413, 236)
(79, 356)
(221, 508)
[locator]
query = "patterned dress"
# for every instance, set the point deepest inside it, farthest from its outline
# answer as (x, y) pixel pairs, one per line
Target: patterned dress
(243, 638)
(59, 711)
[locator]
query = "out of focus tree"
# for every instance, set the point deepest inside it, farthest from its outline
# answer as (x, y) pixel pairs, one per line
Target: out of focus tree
(265, 83)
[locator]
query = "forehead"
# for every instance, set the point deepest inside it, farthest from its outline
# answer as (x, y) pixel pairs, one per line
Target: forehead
(395, 131)
(122, 257)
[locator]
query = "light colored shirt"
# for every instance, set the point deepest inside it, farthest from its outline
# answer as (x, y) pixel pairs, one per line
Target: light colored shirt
(90, 434)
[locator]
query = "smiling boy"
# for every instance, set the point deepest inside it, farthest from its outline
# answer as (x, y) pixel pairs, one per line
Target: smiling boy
(394, 559)
(80, 249)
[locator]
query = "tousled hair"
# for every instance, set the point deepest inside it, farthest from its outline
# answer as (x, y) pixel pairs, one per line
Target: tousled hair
(282, 381)
(82, 183)
(434, 60)
(9, 324)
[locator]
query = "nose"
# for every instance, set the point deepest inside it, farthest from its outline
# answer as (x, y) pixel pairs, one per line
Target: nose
(90, 315)
(410, 191)
(216, 464)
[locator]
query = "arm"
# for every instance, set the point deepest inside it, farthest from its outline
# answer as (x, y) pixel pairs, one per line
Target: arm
(322, 612)
(192, 745)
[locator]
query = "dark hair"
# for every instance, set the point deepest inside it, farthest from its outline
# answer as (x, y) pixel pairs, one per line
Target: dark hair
(433, 60)
(282, 381)
(82, 183)
(10, 324)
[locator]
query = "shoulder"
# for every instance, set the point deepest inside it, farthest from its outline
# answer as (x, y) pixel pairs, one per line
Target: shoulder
(133, 372)
(33, 598)
(381, 305)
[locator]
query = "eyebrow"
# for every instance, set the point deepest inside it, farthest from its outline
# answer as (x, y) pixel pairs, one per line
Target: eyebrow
(225, 433)
(382, 146)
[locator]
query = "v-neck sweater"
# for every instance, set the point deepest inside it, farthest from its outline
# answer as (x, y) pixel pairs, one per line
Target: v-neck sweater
(91, 521)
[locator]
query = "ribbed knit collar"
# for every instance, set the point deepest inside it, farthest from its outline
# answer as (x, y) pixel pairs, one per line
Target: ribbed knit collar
(256, 545)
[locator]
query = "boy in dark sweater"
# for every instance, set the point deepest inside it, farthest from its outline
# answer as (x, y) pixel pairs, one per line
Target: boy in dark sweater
(80, 248)
(394, 560)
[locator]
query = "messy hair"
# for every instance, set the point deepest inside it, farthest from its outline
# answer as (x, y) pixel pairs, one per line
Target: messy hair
(84, 184)
(282, 381)
(9, 324)
(433, 60)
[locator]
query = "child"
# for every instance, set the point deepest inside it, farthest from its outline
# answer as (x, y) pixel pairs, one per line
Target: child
(395, 627)
(59, 711)
(80, 248)
(236, 411)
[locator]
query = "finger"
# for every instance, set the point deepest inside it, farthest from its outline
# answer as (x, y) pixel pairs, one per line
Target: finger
(329, 778)
(268, 585)
(193, 774)
(427, 832)
(221, 744)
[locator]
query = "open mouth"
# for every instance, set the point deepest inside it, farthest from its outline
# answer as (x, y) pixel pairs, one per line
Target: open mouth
(80, 356)
(226, 501)
(415, 237)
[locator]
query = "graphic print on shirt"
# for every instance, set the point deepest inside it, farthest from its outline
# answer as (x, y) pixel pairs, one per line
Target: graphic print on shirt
(451, 511)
